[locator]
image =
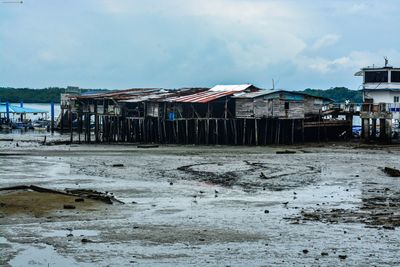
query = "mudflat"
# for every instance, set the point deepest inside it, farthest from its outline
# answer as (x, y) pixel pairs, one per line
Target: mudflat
(326, 205)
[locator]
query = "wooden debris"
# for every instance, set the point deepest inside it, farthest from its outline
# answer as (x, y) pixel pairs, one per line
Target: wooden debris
(118, 165)
(147, 146)
(392, 172)
(81, 193)
(286, 152)
(263, 176)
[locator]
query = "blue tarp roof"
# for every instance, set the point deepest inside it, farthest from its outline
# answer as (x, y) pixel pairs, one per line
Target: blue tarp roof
(16, 109)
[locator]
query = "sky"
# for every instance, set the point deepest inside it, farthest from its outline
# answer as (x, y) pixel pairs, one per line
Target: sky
(119, 44)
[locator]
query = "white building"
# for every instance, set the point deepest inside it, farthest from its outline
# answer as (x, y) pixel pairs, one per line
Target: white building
(381, 89)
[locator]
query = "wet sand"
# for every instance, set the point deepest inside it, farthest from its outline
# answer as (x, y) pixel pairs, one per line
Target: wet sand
(216, 206)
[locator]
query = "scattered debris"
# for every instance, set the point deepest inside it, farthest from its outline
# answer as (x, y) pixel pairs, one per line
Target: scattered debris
(81, 193)
(342, 257)
(305, 251)
(96, 195)
(85, 240)
(69, 207)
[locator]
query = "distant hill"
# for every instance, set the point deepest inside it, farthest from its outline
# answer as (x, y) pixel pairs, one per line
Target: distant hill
(338, 94)
(29, 95)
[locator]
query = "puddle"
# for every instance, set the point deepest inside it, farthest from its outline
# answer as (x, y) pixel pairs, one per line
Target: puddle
(64, 233)
(42, 256)
(4, 240)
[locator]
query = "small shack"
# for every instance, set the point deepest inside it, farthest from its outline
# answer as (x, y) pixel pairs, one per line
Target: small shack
(278, 104)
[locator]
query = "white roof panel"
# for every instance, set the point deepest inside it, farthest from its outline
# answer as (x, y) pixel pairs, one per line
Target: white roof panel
(230, 88)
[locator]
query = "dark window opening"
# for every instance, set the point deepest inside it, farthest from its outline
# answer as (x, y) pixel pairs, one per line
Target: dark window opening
(286, 105)
(395, 76)
(396, 99)
(376, 76)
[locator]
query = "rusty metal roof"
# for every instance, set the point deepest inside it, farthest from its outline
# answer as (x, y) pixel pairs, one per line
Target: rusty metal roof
(121, 94)
(214, 93)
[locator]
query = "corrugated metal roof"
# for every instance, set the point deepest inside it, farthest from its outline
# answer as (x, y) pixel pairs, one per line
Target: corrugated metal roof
(255, 94)
(121, 94)
(203, 97)
(16, 109)
(268, 92)
(212, 94)
(147, 97)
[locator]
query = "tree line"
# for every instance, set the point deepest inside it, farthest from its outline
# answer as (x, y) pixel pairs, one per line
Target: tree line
(46, 95)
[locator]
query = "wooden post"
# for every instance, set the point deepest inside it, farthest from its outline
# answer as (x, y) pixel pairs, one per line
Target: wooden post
(244, 132)
(216, 131)
(235, 134)
(70, 124)
(278, 131)
(292, 132)
(186, 131)
(96, 123)
(207, 130)
(373, 135)
(256, 131)
(266, 131)
(79, 125)
(197, 131)
(62, 120)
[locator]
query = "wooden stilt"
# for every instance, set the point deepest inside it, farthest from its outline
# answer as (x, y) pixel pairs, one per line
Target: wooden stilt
(244, 132)
(256, 131)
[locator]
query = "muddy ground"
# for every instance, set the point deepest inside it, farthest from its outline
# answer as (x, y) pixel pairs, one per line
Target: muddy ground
(217, 206)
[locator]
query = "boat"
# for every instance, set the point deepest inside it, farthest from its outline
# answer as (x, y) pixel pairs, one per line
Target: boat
(41, 125)
(24, 125)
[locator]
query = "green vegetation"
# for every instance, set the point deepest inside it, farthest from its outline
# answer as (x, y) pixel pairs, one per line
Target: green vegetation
(28, 95)
(338, 94)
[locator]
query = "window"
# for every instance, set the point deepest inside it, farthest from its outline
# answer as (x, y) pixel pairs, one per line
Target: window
(396, 99)
(395, 76)
(376, 77)
(286, 105)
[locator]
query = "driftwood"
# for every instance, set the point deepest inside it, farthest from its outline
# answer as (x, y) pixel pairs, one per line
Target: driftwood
(263, 176)
(286, 152)
(147, 146)
(82, 193)
(392, 172)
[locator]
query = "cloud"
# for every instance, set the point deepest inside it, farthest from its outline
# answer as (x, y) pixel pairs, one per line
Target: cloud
(128, 43)
(325, 41)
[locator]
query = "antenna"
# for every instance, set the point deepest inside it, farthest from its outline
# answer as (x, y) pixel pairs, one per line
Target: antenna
(386, 61)
(11, 2)
(273, 84)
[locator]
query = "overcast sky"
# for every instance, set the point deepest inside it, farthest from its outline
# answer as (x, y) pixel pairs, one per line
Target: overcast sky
(179, 43)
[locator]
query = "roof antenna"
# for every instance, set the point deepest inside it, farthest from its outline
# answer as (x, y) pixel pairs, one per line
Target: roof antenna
(386, 61)
(273, 84)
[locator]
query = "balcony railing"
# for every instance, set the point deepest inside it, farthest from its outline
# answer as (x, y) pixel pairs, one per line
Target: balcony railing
(381, 107)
